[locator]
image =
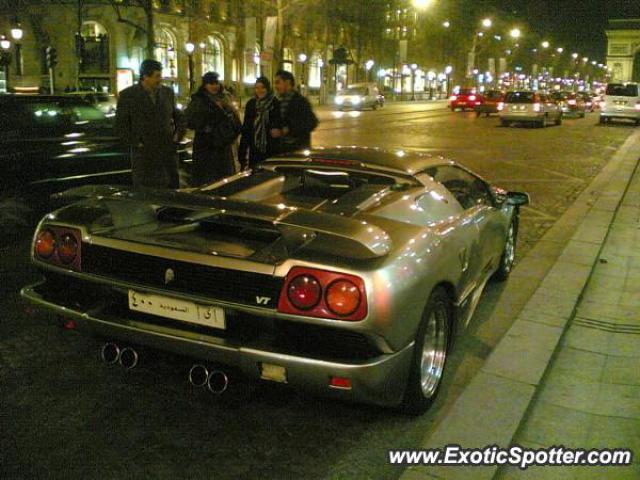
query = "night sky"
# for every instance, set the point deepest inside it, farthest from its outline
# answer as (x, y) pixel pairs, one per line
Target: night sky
(577, 25)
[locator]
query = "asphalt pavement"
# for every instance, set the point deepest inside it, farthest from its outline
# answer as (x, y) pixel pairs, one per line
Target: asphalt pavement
(64, 414)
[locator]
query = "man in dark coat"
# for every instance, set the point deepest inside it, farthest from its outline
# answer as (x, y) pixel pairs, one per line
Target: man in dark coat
(298, 119)
(149, 123)
(217, 126)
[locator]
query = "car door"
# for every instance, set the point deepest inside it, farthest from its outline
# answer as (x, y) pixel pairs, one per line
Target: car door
(467, 231)
(482, 221)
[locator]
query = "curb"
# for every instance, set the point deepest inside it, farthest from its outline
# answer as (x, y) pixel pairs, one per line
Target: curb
(553, 275)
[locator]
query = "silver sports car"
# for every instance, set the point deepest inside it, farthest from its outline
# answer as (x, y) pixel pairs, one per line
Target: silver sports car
(342, 271)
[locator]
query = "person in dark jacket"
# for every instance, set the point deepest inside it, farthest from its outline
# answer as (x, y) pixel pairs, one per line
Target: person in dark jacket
(148, 122)
(298, 119)
(217, 126)
(261, 127)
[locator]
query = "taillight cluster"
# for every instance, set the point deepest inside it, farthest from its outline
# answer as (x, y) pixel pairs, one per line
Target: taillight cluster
(59, 246)
(323, 294)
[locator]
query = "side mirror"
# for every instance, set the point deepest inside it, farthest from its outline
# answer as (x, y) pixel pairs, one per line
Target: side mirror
(517, 198)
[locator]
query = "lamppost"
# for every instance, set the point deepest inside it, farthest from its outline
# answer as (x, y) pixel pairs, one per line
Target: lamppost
(5, 59)
(321, 97)
(190, 47)
(414, 67)
(486, 23)
(17, 34)
(447, 71)
(368, 66)
(302, 58)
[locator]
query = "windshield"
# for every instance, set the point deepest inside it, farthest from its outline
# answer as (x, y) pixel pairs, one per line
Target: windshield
(45, 116)
(354, 91)
(520, 97)
(620, 90)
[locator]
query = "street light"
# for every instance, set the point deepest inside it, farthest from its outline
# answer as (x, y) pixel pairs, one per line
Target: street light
(302, 58)
(574, 55)
(422, 4)
(545, 44)
(17, 34)
(585, 59)
(368, 66)
(190, 48)
(560, 50)
(5, 44)
(515, 33)
(446, 24)
(486, 23)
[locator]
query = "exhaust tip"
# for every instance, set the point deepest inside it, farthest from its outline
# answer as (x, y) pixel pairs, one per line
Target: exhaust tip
(217, 382)
(198, 375)
(128, 358)
(109, 353)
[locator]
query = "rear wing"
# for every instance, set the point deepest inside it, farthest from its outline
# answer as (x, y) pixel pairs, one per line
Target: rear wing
(299, 228)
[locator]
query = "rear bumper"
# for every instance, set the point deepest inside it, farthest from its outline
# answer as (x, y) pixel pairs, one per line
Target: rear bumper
(522, 117)
(380, 380)
(628, 114)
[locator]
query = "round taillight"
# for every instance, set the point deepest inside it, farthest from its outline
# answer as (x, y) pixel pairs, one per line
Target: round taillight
(67, 248)
(343, 297)
(45, 244)
(304, 292)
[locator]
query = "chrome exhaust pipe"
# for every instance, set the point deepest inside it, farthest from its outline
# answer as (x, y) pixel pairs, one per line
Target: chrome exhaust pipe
(110, 353)
(128, 358)
(198, 375)
(217, 382)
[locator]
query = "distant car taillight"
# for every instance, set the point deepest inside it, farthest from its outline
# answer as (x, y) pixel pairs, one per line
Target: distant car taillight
(68, 248)
(58, 246)
(323, 294)
(500, 106)
(45, 244)
(536, 107)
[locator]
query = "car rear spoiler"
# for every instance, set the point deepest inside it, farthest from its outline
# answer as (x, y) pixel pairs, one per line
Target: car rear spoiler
(323, 232)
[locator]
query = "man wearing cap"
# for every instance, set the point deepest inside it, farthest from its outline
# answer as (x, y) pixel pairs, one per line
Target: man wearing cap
(149, 123)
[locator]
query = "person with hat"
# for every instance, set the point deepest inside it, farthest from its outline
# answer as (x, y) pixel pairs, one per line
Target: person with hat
(217, 126)
(261, 127)
(150, 125)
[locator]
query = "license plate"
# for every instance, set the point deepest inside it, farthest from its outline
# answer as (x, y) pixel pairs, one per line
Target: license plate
(177, 309)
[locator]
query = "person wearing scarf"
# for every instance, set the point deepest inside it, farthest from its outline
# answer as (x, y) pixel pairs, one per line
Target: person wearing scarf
(262, 126)
(217, 126)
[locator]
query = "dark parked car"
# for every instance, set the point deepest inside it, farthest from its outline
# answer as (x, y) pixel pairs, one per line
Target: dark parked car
(52, 143)
(570, 103)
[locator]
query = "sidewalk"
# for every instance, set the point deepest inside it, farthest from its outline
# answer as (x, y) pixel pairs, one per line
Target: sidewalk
(568, 370)
(590, 395)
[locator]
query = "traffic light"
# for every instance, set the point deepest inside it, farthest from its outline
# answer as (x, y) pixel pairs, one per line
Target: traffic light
(52, 57)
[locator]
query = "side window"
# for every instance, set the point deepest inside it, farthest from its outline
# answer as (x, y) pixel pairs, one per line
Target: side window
(468, 189)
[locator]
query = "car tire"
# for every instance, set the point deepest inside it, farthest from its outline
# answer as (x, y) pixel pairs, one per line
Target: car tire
(542, 123)
(429, 354)
(559, 120)
(602, 120)
(478, 113)
(509, 251)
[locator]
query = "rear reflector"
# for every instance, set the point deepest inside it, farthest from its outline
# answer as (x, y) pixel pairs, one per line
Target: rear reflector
(340, 383)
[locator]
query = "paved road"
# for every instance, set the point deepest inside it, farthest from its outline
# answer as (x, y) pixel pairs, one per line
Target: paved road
(62, 413)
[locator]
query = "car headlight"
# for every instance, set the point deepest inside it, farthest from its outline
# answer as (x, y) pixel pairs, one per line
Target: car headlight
(339, 100)
(356, 100)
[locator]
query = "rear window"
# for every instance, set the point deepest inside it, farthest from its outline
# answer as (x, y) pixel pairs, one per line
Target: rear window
(620, 90)
(520, 97)
(493, 95)
(467, 91)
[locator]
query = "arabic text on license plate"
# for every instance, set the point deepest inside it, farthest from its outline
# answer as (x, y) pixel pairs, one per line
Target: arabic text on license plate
(177, 309)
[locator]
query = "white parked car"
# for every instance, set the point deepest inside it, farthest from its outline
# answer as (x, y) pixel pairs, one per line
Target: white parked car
(621, 101)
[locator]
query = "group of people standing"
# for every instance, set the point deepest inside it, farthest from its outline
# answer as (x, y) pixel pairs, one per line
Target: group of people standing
(149, 123)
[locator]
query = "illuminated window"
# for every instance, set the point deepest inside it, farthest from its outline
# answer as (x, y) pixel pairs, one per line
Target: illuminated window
(165, 52)
(213, 56)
